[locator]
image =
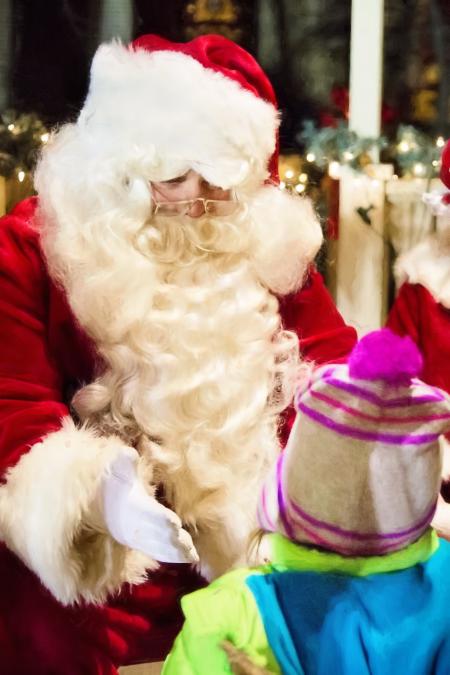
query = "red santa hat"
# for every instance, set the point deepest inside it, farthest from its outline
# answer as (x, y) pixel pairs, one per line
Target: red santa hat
(204, 104)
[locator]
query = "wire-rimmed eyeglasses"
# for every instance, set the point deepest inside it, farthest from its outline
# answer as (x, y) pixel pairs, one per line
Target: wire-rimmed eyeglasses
(211, 207)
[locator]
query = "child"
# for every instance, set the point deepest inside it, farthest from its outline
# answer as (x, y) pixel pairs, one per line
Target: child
(358, 582)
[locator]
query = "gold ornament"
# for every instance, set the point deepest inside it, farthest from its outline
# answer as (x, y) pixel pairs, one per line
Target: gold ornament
(212, 11)
(424, 105)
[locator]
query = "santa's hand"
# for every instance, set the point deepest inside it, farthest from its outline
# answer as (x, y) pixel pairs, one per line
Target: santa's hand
(137, 520)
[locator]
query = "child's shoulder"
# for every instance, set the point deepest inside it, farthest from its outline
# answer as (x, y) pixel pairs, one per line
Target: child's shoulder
(224, 595)
(239, 576)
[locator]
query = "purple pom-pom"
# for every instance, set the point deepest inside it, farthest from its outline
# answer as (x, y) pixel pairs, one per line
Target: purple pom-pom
(382, 355)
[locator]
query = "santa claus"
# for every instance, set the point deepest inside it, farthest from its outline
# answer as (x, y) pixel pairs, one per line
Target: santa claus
(156, 301)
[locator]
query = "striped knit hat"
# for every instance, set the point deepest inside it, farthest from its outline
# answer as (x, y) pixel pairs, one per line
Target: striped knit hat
(362, 469)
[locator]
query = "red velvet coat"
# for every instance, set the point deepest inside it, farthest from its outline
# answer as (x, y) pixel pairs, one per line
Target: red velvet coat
(416, 313)
(422, 311)
(44, 358)
(422, 306)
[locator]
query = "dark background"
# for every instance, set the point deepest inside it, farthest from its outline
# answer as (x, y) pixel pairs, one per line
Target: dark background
(302, 44)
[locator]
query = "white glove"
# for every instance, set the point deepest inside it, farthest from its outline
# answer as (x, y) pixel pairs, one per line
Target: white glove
(137, 520)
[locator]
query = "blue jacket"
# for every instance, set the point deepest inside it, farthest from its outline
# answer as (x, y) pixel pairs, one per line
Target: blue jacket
(316, 613)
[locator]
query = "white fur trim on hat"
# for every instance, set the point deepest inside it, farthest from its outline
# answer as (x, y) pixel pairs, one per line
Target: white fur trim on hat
(47, 517)
(428, 264)
(182, 114)
(289, 238)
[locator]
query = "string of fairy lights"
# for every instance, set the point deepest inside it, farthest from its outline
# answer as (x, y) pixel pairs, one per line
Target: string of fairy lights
(21, 137)
(411, 154)
(327, 150)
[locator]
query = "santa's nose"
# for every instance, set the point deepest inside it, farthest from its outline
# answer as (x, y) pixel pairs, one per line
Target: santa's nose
(197, 209)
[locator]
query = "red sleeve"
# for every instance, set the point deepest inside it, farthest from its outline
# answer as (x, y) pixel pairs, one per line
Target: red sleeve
(417, 314)
(48, 514)
(30, 385)
(323, 335)
(311, 313)
(405, 312)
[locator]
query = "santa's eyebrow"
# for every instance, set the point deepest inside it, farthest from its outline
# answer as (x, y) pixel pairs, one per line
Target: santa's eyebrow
(177, 179)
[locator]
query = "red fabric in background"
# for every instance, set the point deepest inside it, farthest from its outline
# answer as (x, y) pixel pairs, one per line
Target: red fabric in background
(44, 358)
(323, 336)
(38, 636)
(416, 313)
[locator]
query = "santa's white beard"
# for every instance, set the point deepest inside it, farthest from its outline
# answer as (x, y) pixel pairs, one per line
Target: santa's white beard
(197, 365)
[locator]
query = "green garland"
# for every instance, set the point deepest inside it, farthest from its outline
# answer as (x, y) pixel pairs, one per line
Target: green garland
(412, 152)
(416, 153)
(21, 137)
(337, 144)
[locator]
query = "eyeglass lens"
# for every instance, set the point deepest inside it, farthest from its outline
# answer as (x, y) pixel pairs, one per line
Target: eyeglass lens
(212, 207)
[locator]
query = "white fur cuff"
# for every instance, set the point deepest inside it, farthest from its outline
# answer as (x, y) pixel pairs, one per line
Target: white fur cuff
(47, 517)
(289, 238)
(428, 264)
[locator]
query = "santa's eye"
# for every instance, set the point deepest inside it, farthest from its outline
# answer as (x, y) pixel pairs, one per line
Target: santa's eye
(175, 181)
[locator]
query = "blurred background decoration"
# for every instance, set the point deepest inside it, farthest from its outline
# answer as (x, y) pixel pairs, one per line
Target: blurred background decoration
(305, 48)
(21, 137)
(46, 48)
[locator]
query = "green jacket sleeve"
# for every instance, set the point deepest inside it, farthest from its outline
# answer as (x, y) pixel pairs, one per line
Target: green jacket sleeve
(225, 610)
(194, 654)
